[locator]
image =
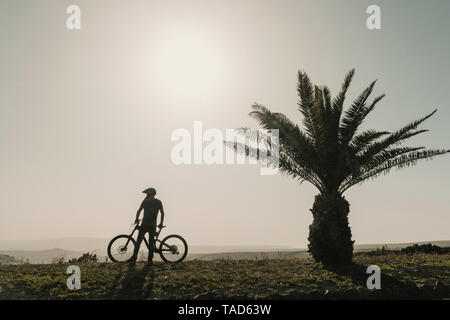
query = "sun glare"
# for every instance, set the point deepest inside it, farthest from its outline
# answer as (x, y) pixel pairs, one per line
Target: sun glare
(188, 65)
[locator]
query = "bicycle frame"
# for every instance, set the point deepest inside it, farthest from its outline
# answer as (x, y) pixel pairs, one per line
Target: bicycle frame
(147, 242)
(172, 248)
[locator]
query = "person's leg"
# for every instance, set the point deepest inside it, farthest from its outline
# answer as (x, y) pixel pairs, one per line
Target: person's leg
(151, 234)
(140, 237)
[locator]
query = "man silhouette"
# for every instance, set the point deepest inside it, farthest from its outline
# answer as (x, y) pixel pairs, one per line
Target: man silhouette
(151, 207)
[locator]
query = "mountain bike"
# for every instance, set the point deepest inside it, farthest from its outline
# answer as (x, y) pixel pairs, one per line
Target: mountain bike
(172, 249)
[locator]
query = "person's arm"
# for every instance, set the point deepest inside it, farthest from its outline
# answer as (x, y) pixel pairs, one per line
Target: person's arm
(139, 212)
(162, 216)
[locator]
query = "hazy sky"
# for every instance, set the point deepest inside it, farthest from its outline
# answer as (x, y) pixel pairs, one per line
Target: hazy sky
(86, 115)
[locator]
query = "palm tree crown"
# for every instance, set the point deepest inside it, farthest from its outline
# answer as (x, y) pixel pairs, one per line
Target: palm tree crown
(329, 152)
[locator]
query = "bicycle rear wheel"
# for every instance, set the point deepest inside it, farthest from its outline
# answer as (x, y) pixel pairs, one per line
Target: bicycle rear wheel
(173, 249)
(121, 248)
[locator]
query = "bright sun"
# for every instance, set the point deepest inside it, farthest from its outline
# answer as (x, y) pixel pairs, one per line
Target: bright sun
(188, 65)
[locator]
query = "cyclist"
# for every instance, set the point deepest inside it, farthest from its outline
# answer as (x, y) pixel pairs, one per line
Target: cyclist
(151, 207)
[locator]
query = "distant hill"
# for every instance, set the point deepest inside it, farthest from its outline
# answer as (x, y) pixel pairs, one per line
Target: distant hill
(6, 259)
(398, 246)
(40, 256)
(301, 253)
(99, 245)
(32, 251)
(81, 244)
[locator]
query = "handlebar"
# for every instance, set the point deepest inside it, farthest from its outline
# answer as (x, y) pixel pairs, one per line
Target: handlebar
(139, 220)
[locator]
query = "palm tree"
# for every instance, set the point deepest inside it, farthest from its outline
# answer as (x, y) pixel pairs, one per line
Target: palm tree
(333, 155)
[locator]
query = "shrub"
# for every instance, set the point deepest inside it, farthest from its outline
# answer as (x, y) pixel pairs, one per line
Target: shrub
(60, 259)
(86, 257)
(425, 248)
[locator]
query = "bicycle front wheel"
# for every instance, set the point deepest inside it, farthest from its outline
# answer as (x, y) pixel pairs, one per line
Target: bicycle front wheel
(121, 248)
(173, 249)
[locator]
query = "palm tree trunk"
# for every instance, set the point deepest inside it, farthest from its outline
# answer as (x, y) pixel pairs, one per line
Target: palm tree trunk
(330, 238)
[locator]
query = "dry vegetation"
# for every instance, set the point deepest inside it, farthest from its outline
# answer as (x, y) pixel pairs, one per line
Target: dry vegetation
(403, 276)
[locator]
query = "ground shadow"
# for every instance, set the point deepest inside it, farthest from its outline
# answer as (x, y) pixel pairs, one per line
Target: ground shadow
(358, 275)
(391, 287)
(137, 283)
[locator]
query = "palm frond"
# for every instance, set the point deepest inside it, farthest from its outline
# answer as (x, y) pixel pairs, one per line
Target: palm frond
(394, 138)
(306, 105)
(290, 133)
(362, 140)
(402, 161)
(338, 102)
(354, 116)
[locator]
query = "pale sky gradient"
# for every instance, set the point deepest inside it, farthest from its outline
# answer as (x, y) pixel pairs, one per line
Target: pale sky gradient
(86, 116)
